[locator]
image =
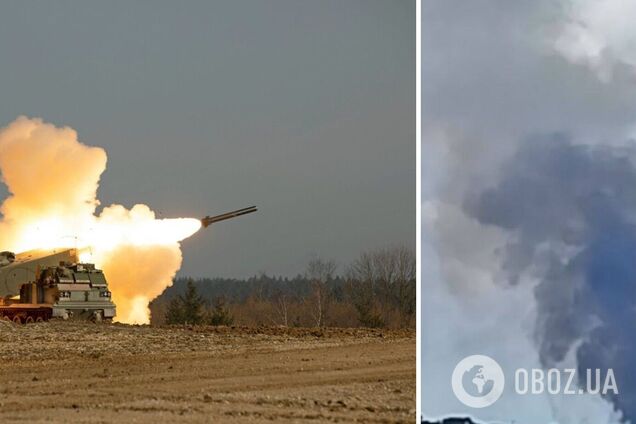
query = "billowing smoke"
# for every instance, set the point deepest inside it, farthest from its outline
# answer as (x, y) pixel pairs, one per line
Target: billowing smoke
(600, 35)
(572, 211)
(52, 179)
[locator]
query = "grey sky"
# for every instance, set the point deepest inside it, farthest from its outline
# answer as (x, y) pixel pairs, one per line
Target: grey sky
(304, 108)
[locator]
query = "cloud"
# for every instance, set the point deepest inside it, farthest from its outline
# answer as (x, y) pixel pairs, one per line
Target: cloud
(468, 310)
(571, 208)
(600, 35)
(497, 102)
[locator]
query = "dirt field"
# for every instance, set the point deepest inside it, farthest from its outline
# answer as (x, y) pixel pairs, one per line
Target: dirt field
(74, 372)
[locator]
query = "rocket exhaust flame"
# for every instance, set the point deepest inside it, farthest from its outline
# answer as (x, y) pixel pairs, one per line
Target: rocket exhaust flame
(52, 179)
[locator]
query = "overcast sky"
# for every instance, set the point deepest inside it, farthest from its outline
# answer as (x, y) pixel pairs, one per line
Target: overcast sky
(529, 113)
(303, 108)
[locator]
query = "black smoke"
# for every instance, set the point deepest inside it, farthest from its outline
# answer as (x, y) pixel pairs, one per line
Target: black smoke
(572, 212)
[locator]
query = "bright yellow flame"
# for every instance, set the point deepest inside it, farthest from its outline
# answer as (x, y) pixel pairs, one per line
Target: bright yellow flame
(53, 180)
(138, 310)
(114, 227)
(85, 256)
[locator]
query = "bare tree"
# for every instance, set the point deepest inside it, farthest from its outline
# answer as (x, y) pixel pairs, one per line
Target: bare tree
(281, 307)
(382, 281)
(362, 288)
(320, 272)
(406, 264)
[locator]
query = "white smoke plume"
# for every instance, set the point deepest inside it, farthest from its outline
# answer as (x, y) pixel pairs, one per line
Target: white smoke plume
(52, 179)
(600, 35)
(473, 303)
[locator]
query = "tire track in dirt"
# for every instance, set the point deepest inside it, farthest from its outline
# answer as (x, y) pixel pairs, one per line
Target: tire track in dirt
(59, 373)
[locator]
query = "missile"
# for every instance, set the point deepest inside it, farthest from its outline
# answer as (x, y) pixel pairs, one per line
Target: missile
(209, 220)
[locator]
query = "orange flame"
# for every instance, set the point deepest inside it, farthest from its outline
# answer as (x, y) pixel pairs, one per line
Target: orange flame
(53, 179)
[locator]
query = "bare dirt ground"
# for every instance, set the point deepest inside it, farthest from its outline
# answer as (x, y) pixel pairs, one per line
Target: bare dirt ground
(82, 372)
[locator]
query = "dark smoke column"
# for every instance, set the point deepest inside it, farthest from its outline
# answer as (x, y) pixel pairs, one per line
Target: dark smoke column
(571, 208)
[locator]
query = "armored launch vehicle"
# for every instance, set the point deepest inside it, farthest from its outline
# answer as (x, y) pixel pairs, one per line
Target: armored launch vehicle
(42, 284)
(39, 285)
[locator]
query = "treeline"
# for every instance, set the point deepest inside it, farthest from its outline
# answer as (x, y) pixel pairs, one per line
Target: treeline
(376, 290)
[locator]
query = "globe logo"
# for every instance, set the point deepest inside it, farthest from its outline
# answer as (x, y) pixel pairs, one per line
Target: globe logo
(478, 381)
(475, 382)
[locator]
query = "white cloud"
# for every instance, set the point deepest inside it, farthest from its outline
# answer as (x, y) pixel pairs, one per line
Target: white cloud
(488, 87)
(466, 312)
(599, 34)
